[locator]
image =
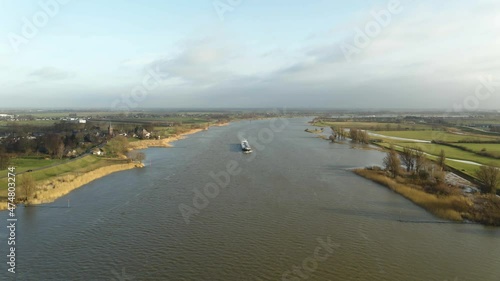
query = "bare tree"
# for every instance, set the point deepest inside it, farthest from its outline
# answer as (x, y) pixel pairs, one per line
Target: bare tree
(60, 150)
(490, 177)
(420, 159)
(332, 137)
(53, 144)
(392, 163)
(342, 133)
(137, 156)
(364, 137)
(359, 136)
(408, 158)
(140, 156)
(353, 134)
(441, 161)
(28, 186)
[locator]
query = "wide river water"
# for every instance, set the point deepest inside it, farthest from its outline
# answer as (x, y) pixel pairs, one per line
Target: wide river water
(292, 210)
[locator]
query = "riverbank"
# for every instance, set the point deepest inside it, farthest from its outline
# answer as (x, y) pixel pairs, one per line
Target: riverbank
(484, 209)
(166, 142)
(49, 190)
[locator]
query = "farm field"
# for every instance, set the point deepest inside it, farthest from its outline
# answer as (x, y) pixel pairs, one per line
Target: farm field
(374, 126)
(438, 135)
(453, 153)
(33, 122)
(491, 148)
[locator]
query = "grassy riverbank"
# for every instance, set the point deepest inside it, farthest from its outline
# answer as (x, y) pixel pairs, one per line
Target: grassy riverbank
(453, 206)
(54, 188)
(49, 187)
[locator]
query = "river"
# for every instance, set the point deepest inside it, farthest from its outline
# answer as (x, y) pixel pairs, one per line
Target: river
(291, 210)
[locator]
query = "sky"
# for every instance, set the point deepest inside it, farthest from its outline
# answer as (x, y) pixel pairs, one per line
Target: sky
(250, 53)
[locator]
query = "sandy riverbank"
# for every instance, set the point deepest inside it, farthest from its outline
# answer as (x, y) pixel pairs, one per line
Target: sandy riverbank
(166, 142)
(220, 124)
(54, 188)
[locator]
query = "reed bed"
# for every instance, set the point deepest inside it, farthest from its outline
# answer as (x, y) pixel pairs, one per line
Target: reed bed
(451, 207)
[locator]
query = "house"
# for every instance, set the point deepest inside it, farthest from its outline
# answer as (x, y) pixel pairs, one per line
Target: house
(98, 152)
(70, 153)
(143, 133)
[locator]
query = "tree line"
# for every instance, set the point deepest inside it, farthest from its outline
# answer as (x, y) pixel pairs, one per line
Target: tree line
(416, 163)
(356, 135)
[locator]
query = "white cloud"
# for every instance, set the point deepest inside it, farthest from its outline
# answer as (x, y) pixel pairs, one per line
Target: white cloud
(51, 74)
(429, 52)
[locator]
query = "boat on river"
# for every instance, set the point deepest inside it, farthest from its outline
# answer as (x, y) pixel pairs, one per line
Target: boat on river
(245, 146)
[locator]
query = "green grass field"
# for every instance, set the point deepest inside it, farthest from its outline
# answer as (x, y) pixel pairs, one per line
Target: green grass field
(478, 147)
(82, 165)
(374, 126)
(43, 123)
(451, 152)
(436, 135)
(23, 164)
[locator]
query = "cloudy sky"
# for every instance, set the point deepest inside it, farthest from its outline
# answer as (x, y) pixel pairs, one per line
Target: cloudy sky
(250, 53)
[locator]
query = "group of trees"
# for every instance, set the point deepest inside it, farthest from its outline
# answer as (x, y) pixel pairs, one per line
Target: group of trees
(415, 161)
(356, 135)
(117, 146)
(339, 133)
(359, 136)
(63, 139)
(55, 140)
(392, 164)
(489, 177)
(52, 144)
(137, 156)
